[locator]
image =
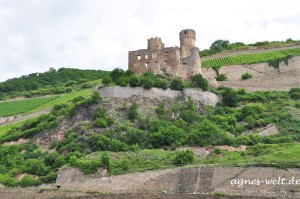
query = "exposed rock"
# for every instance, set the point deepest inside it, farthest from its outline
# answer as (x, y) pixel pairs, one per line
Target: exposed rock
(269, 130)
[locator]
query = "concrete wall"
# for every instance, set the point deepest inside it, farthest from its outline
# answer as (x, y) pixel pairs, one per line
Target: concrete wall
(194, 180)
(203, 98)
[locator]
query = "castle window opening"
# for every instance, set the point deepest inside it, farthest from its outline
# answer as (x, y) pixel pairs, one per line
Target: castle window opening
(165, 62)
(146, 64)
(146, 56)
(139, 57)
(184, 32)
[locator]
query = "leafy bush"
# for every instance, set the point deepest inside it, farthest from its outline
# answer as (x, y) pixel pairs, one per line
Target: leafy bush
(246, 76)
(206, 133)
(295, 93)
(184, 157)
(221, 77)
(28, 181)
(133, 111)
(134, 81)
(177, 84)
(230, 97)
(106, 80)
(35, 167)
(199, 81)
(105, 161)
(169, 136)
(148, 83)
(189, 116)
(252, 110)
(8, 180)
(88, 166)
(101, 123)
(117, 73)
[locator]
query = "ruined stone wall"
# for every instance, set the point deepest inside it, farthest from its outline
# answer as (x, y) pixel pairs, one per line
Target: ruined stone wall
(181, 62)
(158, 61)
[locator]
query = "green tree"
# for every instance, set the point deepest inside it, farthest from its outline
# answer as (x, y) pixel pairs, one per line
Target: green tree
(219, 45)
(206, 133)
(199, 81)
(134, 81)
(177, 84)
(169, 136)
(133, 111)
(184, 157)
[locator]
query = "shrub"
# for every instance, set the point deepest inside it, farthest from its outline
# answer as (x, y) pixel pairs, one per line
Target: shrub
(101, 123)
(230, 97)
(35, 167)
(88, 166)
(117, 73)
(246, 76)
(161, 83)
(105, 161)
(148, 83)
(133, 111)
(123, 81)
(206, 133)
(28, 181)
(96, 98)
(221, 77)
(177, 84)
(297, 104)
(295, 93)
(106, 80)
(134, 81)
(199, 81)
(8, 181)
(251, 110)
(184, 157)
(169, 136)
(189, 116)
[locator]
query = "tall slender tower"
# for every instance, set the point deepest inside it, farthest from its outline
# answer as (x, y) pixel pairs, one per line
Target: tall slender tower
(187, 42)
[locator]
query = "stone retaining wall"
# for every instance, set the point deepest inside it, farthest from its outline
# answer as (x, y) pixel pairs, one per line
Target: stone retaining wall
(202, 97)
(193, 180)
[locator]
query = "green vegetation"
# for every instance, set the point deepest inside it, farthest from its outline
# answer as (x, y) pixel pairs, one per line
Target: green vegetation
(273, 58)
(63, 80)
(123, 139)
(23, 106)
(224, 45)
(246, 76)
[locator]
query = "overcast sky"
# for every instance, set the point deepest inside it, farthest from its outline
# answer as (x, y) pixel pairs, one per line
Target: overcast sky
(97, 34)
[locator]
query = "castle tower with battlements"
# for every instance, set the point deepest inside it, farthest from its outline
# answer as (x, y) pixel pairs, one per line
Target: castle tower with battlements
(182, 61)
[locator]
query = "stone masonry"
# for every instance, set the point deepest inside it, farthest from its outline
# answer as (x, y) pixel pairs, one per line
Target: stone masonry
(172, 61)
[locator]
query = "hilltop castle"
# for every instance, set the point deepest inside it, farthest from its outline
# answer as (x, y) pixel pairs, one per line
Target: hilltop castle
(172, 61)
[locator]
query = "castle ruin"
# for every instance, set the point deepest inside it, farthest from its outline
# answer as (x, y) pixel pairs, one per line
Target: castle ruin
(172, 61)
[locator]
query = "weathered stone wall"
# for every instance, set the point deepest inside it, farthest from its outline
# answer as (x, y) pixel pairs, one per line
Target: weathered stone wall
(264, 77)
(202, 97)
(251, 50)
(194, 180)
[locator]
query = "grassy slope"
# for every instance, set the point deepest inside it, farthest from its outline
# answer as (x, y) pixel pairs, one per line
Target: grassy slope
(65, 98)
(23, 106)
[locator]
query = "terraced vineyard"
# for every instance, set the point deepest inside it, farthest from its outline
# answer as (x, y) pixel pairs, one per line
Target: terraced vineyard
(251, 58)
(23, 106)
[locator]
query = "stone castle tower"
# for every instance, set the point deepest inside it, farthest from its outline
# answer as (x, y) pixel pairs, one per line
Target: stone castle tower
(172, 61)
